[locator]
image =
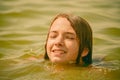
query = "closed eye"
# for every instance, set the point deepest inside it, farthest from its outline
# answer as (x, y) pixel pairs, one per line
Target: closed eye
(69, 36)
(52, 35)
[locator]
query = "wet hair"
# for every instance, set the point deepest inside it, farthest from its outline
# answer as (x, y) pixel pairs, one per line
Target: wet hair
(84, 34)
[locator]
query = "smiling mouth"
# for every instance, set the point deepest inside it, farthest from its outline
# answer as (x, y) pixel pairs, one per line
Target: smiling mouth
(59, 51)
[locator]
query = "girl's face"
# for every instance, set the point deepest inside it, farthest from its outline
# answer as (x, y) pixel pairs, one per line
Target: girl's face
(62, 45)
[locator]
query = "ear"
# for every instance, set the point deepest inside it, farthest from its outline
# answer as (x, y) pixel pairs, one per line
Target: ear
(85, 52)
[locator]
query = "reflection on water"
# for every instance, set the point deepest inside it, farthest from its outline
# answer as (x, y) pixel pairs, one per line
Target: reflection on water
(23, 30)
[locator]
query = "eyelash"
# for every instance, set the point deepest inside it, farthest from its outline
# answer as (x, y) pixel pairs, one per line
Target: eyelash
(66, 37)
(52, 36)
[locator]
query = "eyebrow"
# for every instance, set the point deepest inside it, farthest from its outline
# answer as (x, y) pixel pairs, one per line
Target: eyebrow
(53, 32)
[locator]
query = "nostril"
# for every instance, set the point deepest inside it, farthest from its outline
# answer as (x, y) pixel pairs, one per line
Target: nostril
(59, 44)
(59, 41)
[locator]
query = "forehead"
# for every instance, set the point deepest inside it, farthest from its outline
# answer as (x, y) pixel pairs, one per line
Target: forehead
(61, 24)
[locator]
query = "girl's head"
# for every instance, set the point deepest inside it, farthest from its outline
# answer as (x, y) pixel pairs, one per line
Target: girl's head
(69, 40)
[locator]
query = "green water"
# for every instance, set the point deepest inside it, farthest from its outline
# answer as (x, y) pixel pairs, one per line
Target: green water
(23, 29)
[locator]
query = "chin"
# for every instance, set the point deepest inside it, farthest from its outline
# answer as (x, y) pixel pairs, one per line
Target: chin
(57, 61)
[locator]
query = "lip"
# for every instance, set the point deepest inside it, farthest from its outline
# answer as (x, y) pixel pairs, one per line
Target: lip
(58, 51)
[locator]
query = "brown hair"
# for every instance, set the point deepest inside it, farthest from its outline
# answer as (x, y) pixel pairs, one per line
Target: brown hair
(84, 34)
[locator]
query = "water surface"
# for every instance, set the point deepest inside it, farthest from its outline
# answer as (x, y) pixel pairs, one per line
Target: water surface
(23, 29)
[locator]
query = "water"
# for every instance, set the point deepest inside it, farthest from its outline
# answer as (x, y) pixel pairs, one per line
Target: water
(23, 29)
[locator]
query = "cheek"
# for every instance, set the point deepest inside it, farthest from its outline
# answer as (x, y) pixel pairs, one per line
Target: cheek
(73, 49)
(49, 46)
(73, 46)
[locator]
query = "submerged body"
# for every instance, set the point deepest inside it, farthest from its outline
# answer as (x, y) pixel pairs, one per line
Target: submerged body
(32, 68)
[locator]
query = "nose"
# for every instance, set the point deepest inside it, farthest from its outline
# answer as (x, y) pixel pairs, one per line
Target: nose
(59, 41)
